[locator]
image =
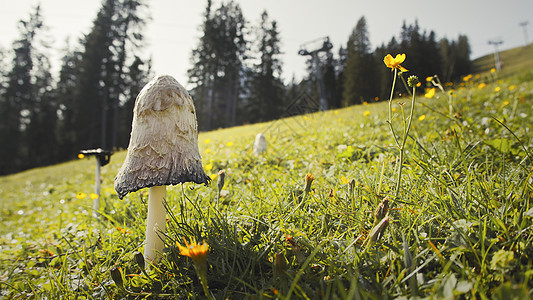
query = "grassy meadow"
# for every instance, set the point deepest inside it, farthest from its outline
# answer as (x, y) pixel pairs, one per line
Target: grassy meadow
(460, 226)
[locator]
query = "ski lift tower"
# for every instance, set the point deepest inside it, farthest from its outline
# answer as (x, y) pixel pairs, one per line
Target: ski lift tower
(326, 46)
(497, 61)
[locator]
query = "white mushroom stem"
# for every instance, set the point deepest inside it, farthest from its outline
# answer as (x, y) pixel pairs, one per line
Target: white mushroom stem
(155, 223)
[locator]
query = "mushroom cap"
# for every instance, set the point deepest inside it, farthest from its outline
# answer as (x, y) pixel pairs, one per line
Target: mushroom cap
(260, 144)
(163, 148)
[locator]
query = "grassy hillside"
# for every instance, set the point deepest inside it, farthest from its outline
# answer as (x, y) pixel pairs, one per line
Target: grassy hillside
(515, 61)
(460, 226)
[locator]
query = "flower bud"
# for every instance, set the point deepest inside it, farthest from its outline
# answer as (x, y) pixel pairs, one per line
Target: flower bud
(220, 182)
(280, 263)
(412, 80)
(116, 275)
(139, 259)
(308, 180)
(351, 186)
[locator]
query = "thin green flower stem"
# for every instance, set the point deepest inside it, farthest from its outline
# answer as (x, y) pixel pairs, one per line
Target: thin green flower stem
(450, 105)
(390, 109)
(201, 271)
(405, 84)
(404, 141)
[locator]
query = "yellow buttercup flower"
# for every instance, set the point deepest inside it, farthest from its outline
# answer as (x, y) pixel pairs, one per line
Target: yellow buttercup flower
(229, 144)
(81, 195)
(208, 167)
(94, 196)
(497, 89)
(207, 141)
(80, 156)
(430, 93)
(429, 78)
(422, 118)
(481, 85)
(366, 113)
(467, 77)
(493, 70)
(395, 62)
(512, 87)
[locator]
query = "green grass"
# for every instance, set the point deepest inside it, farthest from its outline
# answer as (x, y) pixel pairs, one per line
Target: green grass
(460, 227)
(514, 60)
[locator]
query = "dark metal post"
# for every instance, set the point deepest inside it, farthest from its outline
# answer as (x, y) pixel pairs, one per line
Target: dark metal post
(102, 159)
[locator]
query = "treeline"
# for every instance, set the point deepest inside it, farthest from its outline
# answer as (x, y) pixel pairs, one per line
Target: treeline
(236, 69)
(235, 74)
(47, 119)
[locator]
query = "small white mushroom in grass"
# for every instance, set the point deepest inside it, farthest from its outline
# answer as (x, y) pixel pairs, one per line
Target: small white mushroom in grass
(260, 144)
(163, 150)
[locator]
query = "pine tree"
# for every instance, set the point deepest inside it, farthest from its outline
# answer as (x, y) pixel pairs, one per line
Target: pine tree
(463, 63)
(139, 72)
(68, 109)
(218, 66)
(24, 100)
(101, 77)
(267, 90)
(359, 82)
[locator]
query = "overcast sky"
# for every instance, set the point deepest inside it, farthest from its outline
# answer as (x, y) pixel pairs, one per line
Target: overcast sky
(174, 29)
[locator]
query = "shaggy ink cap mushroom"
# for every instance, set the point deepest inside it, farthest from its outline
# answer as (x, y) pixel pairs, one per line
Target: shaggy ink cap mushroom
(163, 147)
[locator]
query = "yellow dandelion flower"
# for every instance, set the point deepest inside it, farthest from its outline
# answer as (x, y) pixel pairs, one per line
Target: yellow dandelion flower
(430, 93)
(94, 196)
(422, 118)
(81, 195)
(80, 156)
(207, 141)
(198, 253)
(208, 167)
(366, 113)
(395, 62)
(497, 89)
(344, 180)
(481, 85)
(229, 144)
